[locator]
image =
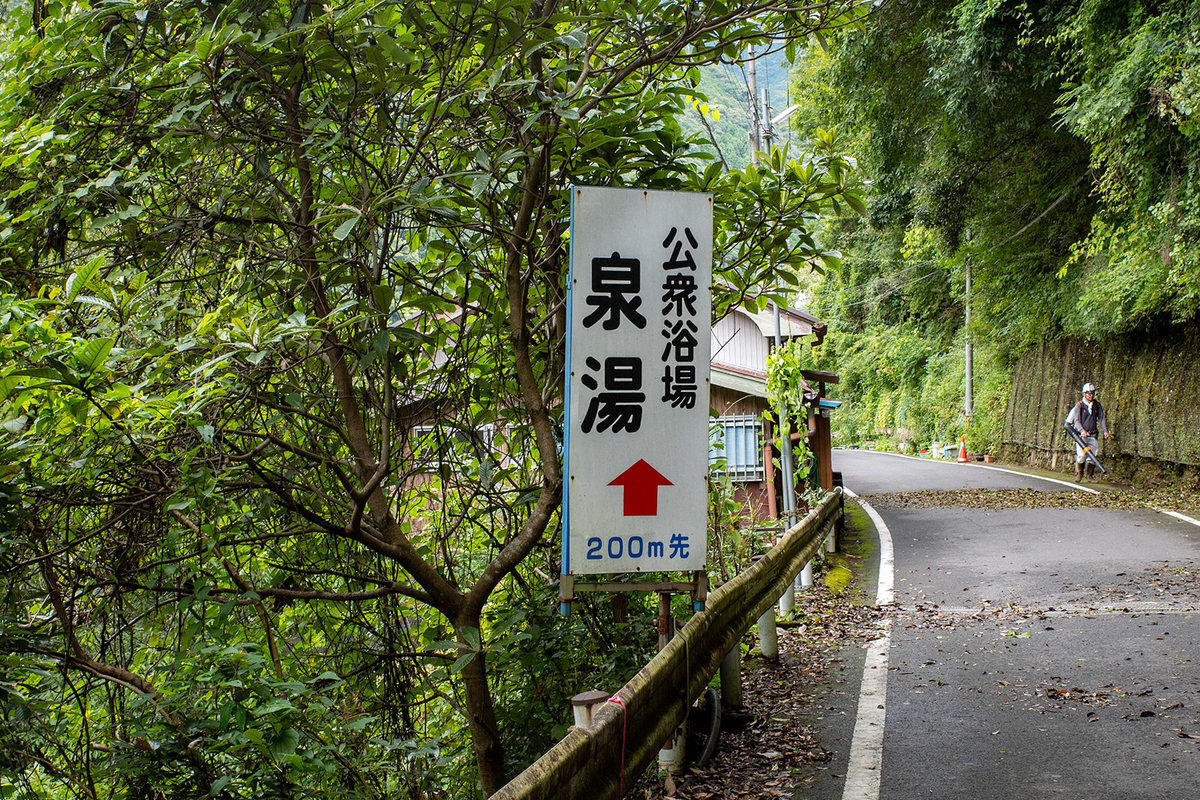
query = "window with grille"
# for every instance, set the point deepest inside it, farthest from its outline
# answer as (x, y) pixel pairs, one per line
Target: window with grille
(431, 438)
(735, 447)
(467, 451)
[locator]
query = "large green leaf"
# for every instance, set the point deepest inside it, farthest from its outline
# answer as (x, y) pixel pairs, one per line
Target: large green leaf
(285, 743)
(93, 355)
(83, 278)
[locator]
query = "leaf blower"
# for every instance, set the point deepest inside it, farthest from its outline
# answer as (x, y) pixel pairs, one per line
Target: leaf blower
(1087, 451)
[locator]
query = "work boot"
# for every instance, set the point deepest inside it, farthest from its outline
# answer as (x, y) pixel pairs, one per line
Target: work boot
(1090, 473)
(1078, 472)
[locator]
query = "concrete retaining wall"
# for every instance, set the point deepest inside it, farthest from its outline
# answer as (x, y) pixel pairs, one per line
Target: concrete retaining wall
(1150, 388)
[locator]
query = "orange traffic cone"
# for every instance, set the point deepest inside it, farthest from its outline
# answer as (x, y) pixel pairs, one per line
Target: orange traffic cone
(962, 451)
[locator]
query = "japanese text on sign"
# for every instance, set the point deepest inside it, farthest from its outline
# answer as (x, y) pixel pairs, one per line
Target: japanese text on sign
(637, 396)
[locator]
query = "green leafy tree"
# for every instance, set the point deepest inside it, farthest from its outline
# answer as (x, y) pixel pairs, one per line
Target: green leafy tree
(1133, 71)
(283, 331)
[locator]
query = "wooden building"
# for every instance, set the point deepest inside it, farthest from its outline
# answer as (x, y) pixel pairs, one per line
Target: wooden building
(742, 432)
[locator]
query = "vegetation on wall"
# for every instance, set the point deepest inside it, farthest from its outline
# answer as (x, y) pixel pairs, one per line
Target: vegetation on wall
(1051, 147)
(1146, 386)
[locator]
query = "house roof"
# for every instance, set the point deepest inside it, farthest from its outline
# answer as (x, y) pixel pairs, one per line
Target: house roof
(742, 368)
(744, 381)
(792, 322)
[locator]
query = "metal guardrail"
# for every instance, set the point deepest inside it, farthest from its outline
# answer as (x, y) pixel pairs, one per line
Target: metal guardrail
(607, 759)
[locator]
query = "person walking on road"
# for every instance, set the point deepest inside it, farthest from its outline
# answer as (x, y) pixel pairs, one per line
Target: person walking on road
(1087, 418)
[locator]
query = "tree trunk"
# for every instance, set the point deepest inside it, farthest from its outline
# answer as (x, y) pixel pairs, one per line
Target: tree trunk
(481, 717)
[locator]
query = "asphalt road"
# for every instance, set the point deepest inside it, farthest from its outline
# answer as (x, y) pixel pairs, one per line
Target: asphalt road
(1033, 653)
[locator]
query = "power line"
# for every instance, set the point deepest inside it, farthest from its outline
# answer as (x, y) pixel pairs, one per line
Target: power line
(870, 285)
(891, 290)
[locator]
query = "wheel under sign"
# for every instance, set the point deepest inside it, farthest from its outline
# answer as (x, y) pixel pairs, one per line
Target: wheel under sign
(640, 305)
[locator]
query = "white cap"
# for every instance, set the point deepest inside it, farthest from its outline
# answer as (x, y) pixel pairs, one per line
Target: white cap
(1087, 387)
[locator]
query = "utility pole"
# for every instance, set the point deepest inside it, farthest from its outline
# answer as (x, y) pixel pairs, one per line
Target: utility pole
(752, 77)
(768, 133)
(784, 429)
(760, 140)
(968, 405)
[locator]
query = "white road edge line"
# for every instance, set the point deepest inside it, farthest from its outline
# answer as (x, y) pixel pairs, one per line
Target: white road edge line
(1068, 610)
(884, 593)
(1067, 484)
(1177, 515)
(864, 771)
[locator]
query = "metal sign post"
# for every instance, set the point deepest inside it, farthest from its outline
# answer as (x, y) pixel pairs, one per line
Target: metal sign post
(636, 450)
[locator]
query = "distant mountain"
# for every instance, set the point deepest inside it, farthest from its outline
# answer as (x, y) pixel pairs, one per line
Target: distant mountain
(725, 85)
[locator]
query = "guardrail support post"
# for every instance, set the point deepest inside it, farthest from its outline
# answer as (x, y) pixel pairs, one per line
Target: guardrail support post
(665, 621)
(768, 638)
(806, 576)
(787, 600)
(731, 676)
(670, 757)
(584, 705)
(831, 532)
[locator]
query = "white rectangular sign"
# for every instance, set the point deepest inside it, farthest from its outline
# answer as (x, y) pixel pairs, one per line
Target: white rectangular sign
(640, 308)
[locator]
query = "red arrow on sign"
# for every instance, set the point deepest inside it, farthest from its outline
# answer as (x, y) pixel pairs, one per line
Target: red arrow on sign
(641, 482)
